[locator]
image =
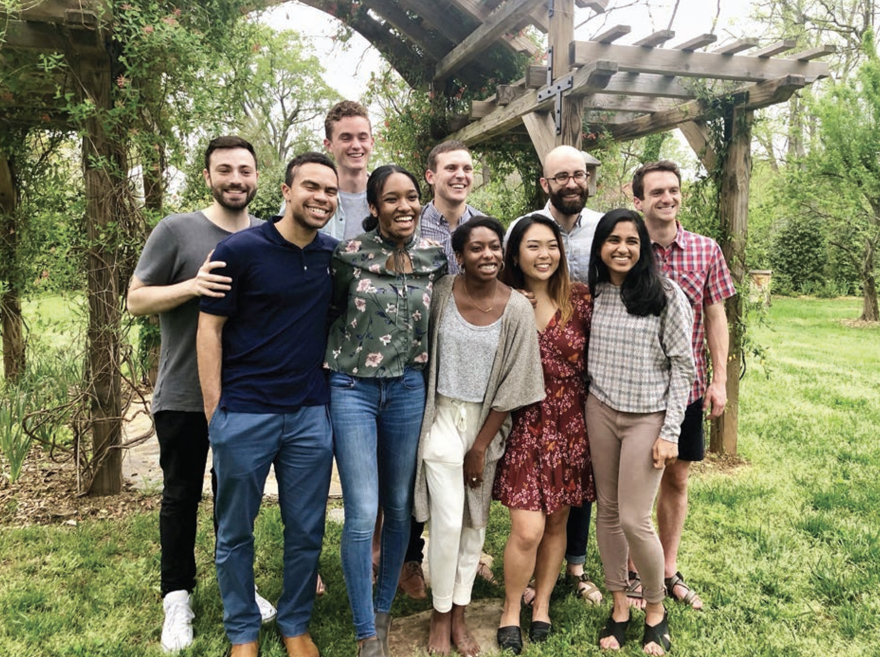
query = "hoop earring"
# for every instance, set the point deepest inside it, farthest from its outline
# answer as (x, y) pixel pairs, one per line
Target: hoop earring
(502, 267)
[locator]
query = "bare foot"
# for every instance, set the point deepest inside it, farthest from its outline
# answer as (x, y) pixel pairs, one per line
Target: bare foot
(462, 639)
(528, 596)
(320, 588)
(441, 633)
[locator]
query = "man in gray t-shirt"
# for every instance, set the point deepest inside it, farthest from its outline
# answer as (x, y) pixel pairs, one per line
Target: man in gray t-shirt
(174, 270)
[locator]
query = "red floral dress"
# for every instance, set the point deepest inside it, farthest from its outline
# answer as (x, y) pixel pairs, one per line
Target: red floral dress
(547, 461)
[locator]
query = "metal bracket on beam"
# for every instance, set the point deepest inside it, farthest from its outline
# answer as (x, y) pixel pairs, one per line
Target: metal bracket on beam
(557, 89)
(550, 9)
(549, 66)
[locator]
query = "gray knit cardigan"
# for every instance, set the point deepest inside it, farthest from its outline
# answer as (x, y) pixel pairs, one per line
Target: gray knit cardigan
(516, 380)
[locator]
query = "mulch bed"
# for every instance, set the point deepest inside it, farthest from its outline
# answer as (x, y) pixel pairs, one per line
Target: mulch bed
(46, 494)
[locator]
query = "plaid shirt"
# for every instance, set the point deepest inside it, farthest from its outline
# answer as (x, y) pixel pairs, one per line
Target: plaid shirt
(433, 226)
(697, 265)
(642, 364)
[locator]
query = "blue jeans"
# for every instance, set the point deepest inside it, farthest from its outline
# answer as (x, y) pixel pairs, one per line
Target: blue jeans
(300, 445)
(578, 532)
(376, 425)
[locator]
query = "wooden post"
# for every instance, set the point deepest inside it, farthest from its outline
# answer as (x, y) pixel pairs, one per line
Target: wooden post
(103, 187)
(734, 200)
(541, 125)
(10, 302)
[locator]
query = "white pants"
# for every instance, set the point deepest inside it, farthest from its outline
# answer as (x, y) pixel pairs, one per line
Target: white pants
(454, 550)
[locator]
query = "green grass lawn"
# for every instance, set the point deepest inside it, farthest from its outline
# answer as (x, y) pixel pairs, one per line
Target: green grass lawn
(784, 546)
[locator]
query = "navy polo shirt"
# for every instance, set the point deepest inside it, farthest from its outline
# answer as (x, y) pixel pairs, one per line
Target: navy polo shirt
(275, 335)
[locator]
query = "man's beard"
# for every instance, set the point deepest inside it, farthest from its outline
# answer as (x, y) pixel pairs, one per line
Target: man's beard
(569, 207)
(217, 193)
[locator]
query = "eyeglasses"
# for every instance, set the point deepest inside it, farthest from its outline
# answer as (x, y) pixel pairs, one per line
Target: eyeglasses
(563, 178)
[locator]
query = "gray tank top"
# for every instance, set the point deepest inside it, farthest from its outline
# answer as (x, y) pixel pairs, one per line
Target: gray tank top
(465, 354)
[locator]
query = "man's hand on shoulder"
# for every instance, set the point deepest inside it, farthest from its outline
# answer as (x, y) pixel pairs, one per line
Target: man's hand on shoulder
(207, 284)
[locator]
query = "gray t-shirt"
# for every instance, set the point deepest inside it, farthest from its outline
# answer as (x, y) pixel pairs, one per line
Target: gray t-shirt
(174, 252)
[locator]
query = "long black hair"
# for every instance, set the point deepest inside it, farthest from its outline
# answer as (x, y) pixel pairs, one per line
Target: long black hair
(375, 185)
(642, 291)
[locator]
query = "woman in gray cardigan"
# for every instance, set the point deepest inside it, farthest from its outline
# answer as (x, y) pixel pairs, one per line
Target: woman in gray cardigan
(484, 362)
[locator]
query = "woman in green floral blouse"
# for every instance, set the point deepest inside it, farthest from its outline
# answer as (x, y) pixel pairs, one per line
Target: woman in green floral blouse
(376, 352)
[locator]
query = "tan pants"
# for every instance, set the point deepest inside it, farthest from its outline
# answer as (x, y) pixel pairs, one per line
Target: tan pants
(454, 550)
(621, 447)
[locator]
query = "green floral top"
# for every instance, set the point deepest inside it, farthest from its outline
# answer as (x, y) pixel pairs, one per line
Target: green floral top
(381, 316)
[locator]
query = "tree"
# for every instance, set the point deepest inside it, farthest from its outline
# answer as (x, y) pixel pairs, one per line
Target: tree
(840, 178)
(287, 97)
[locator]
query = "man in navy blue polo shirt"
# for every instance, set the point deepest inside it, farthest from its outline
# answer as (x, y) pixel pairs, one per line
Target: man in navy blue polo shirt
(260, 353)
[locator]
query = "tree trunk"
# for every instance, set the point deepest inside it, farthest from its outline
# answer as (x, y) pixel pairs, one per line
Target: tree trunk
(734, 194)
(870, 311)
(103, 163)
(12, 324)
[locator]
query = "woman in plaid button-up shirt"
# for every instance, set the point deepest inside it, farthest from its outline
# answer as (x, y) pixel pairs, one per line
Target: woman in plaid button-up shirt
(641, 368)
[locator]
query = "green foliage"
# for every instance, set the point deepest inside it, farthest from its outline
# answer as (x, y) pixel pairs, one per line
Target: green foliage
(799, 252)
(286, 97)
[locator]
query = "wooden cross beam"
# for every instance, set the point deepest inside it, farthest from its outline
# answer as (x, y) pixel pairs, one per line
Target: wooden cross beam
(695, 64)
(754, 97)
(498, 22)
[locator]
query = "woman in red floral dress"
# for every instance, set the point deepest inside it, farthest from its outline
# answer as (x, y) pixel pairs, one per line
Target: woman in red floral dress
(546, 466)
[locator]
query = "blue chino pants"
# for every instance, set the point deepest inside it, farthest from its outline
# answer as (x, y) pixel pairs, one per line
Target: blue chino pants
(244, 445)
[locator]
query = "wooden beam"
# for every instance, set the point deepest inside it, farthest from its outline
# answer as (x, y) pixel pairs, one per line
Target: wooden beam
(756, 96)
(736, 172)
(542, 131)
(697, 135)
(506, 94)
(536, 77)
(510, 116)
(736, 46)
(814, 53)
(656, 39)
(481, 108)
(409, 29)
(612, 35)
(633, 84)
(619, 103)
(597, 6)
(8, 195)
(494, 26)
(774, 48)
(696, 64)
(502, 119)
(699, 42)
(57, 11)
(479, 14)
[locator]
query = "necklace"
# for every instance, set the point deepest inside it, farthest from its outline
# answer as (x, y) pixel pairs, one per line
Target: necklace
(476, 305)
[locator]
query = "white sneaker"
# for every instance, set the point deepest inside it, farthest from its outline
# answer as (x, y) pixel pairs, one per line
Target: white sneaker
(177, 631)
(267, 611)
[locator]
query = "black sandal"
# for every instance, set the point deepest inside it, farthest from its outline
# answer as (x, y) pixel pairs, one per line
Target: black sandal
(614, 628)
(509, 638)
(658, 634)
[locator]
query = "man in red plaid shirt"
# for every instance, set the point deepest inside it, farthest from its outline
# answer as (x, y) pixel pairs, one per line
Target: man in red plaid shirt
(697, 265)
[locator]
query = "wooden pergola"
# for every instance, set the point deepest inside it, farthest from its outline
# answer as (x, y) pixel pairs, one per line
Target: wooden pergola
(625, 91)
(619, 91)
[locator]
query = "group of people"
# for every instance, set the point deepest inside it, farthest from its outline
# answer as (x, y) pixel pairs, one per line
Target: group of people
(443, 363)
